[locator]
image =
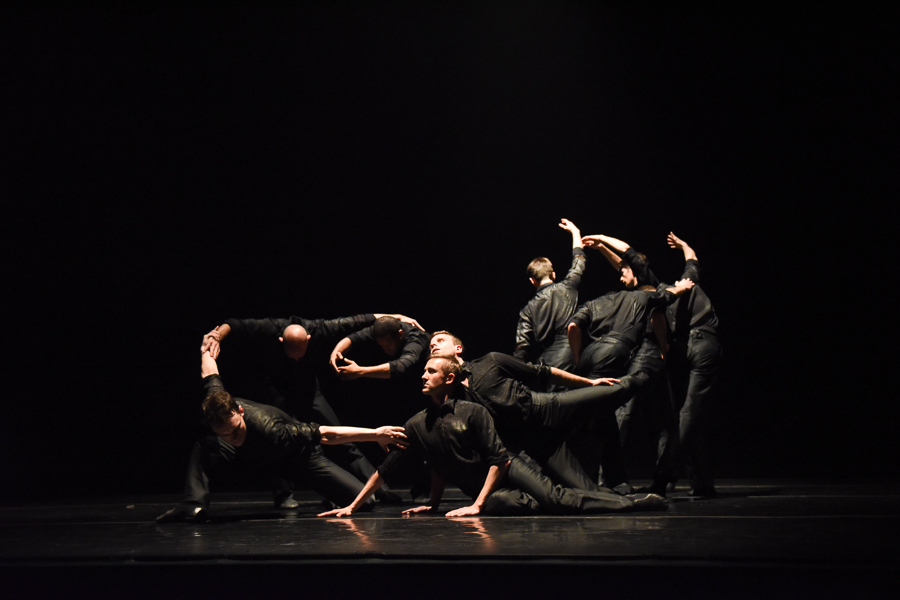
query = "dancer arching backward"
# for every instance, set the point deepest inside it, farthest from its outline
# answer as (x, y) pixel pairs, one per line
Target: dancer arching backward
(460, 443)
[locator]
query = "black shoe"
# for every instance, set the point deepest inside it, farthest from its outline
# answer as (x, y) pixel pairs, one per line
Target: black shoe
(286, 502)
(190, 513)
(657, 487)
(648, 502)
(388, 497)
(623, 489)
(706, 491)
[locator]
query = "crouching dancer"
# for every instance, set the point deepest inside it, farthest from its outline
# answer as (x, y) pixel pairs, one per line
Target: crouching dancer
(458, 439)
(247, 433)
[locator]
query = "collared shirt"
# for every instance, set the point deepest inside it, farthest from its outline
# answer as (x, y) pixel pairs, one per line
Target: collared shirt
(459, 441)
(546, 316)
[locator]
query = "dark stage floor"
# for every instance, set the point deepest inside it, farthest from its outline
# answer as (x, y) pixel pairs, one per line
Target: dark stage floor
(758, 537)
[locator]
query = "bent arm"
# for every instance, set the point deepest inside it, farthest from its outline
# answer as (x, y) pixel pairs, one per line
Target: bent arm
(338, 352)
(372, 486)
(213, 339)
(495, 474)
(676, 242)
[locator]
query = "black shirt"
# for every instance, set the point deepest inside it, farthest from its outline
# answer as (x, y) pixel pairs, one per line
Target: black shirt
(504, 385)
(546, 316)
(692, 310)
(459, 441)
(414, 348)
(622, 315)
(272, 435)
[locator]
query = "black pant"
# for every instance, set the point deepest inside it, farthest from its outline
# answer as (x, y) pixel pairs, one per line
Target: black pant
(526, 491)
(693, 367)
(212, 459)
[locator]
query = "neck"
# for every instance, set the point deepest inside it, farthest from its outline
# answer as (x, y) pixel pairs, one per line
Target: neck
(543, 282)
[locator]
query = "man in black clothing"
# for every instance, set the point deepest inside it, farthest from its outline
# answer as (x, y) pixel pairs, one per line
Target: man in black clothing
(537, 423)
(459, 441)
(261, 436)
(693, 354)
(541, 331)
(615, 324)
(281, 362)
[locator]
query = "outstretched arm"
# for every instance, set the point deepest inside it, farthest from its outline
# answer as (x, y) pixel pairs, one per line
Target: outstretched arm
(372, 485)
(344, 435)
(576, 233)
(617, 245)
(495, 474)
(401, 318)
(676, 242)
(208, 364)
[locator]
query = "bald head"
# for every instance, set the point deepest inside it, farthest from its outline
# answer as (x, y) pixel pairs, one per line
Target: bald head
(294, 340)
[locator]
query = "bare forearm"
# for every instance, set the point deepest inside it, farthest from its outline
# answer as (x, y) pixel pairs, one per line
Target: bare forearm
(332, 435)
(611, 257)
(208, 365)
(372, 486)
(495, 474)
(382, 371)
(570, 380)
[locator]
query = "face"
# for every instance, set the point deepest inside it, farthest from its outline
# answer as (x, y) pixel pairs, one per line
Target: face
(235, 430)
(433, 379)
(390, 345)
(628, 278)
(443, 344)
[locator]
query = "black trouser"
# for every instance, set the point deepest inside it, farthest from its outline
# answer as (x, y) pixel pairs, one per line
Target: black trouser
(526, 491)
(653, 400)
(212, 459)
(580, 413)
(693, 367)
(558, 355)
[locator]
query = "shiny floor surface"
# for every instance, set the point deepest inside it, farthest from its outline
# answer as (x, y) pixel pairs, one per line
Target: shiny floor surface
(755, 537)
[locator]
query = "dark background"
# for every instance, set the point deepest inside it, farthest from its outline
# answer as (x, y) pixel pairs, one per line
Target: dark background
(168, 166)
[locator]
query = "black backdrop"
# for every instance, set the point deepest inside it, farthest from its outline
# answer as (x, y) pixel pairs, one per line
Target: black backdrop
(166, 167)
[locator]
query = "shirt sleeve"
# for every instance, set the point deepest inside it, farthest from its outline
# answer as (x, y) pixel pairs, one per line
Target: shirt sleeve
(582, 317)
(692, 271)
(291, 435)
(530, 374)
(579, 260)
(524, 334)
(415, 343)
(362, 337)
(213, 384)
(256, 330)
(488, 441)
(332, 330)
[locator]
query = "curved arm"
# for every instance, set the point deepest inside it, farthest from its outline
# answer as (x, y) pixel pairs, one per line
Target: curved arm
(676, 242)
(495, 474)
(338, 352)
(617, 245)
(372, 485)
(576, 233)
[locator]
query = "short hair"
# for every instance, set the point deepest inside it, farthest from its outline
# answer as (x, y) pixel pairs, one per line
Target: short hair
(217, 408)
(640, 255)
(386, 327)
(539, 268)
(455, 339)
(451, 365)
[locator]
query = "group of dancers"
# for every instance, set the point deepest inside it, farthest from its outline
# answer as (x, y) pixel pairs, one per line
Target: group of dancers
(540, 431)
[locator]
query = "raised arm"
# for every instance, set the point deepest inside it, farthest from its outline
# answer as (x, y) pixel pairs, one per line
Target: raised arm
(594, 240)
(576, 233)
(676, 242)
(212, 339)
(208, 364)
(495, 474)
